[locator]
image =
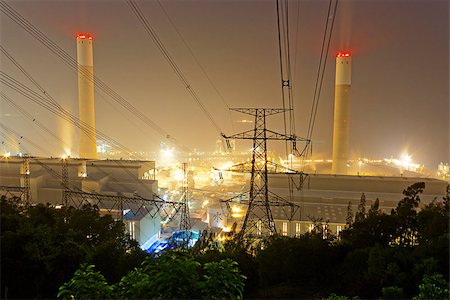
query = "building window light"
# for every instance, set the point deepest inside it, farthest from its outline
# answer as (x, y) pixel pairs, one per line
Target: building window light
(297, 229)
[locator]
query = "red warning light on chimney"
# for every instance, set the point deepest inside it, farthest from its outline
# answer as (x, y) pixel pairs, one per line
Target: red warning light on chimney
(83, 36)
(343, 54)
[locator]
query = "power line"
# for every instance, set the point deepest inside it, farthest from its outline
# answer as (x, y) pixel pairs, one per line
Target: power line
(31, 117)
(152, 34)
(197, 61)
(321, 70)
(72, 63)
(21, 137)
(62, 113)
(9, 56)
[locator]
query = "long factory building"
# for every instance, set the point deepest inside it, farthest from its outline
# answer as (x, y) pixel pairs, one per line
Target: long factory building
(125, 178)
(326, 197)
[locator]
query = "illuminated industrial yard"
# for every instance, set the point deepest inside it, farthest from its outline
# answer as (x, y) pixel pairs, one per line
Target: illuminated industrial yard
(238, 120)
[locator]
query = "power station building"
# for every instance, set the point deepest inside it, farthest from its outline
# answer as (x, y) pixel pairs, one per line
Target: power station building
(94, 177)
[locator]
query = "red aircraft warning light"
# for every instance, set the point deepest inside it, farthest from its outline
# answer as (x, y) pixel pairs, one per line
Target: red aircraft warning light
(83, 36)
(343, 54)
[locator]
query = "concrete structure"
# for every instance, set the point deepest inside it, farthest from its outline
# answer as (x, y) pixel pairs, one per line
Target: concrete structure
(105, 177)
(341, 113)
(85, 58)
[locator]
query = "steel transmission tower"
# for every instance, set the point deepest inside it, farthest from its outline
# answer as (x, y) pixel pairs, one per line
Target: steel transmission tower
(185, 222)
(26, 179)
(65, 179)
(258, 220)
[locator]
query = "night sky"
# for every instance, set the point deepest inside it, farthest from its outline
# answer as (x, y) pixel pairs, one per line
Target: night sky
(400, 75)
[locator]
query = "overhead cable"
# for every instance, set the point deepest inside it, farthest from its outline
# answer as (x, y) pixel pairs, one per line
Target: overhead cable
(71, 62)
(152, 34)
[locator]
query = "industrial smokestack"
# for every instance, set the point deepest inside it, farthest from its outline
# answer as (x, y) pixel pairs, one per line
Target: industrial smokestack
(341, 112)
(88, 145)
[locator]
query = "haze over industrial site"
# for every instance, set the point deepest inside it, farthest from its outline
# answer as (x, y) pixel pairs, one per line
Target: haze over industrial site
(188, 149)
(107, 107)
(228, 53)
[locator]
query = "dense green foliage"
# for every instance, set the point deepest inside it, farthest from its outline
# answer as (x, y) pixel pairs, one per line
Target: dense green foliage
(86, 284)
(173, 275)
(42, 247)
(378, 255)
(403, 254)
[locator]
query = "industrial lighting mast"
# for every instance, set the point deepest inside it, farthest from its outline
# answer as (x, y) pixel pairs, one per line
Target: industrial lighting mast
(258, 220)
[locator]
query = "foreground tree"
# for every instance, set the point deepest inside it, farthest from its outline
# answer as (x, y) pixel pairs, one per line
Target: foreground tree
(173, 275)
(42, 247)
(433, 287)
(86, 284)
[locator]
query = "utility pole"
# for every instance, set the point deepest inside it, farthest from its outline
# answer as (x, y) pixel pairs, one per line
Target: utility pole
(258, 220)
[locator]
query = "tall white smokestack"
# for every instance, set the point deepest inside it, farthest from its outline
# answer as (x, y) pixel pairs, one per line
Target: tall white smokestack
(88, 144)
(341, 112)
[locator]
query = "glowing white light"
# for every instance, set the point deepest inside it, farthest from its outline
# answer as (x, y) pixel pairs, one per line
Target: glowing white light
(236, 209)
(226, 165)
(167, 153)
(7, 154)
(405, 160)
(178, 175)
(226, 229)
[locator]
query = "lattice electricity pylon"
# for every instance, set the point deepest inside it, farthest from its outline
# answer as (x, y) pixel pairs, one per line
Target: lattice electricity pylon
(258, 220)
(185, 220)
(26, 179)
(117, 203)
(65, 178)
(14, 192)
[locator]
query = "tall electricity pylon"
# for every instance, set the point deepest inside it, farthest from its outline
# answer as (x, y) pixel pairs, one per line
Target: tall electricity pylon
(185, 221)
(258, 220)
(26, 179)
(65, 179)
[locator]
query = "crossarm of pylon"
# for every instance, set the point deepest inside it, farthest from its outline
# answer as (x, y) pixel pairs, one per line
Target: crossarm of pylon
(289, 208)
(272, 135)
(246, 135)
(8, 188)
(241, 167)
(279, 169)
(235, 198)
(253, 111)
(273, 168)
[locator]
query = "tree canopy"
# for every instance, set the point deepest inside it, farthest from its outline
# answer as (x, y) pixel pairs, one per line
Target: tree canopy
(48, 252)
